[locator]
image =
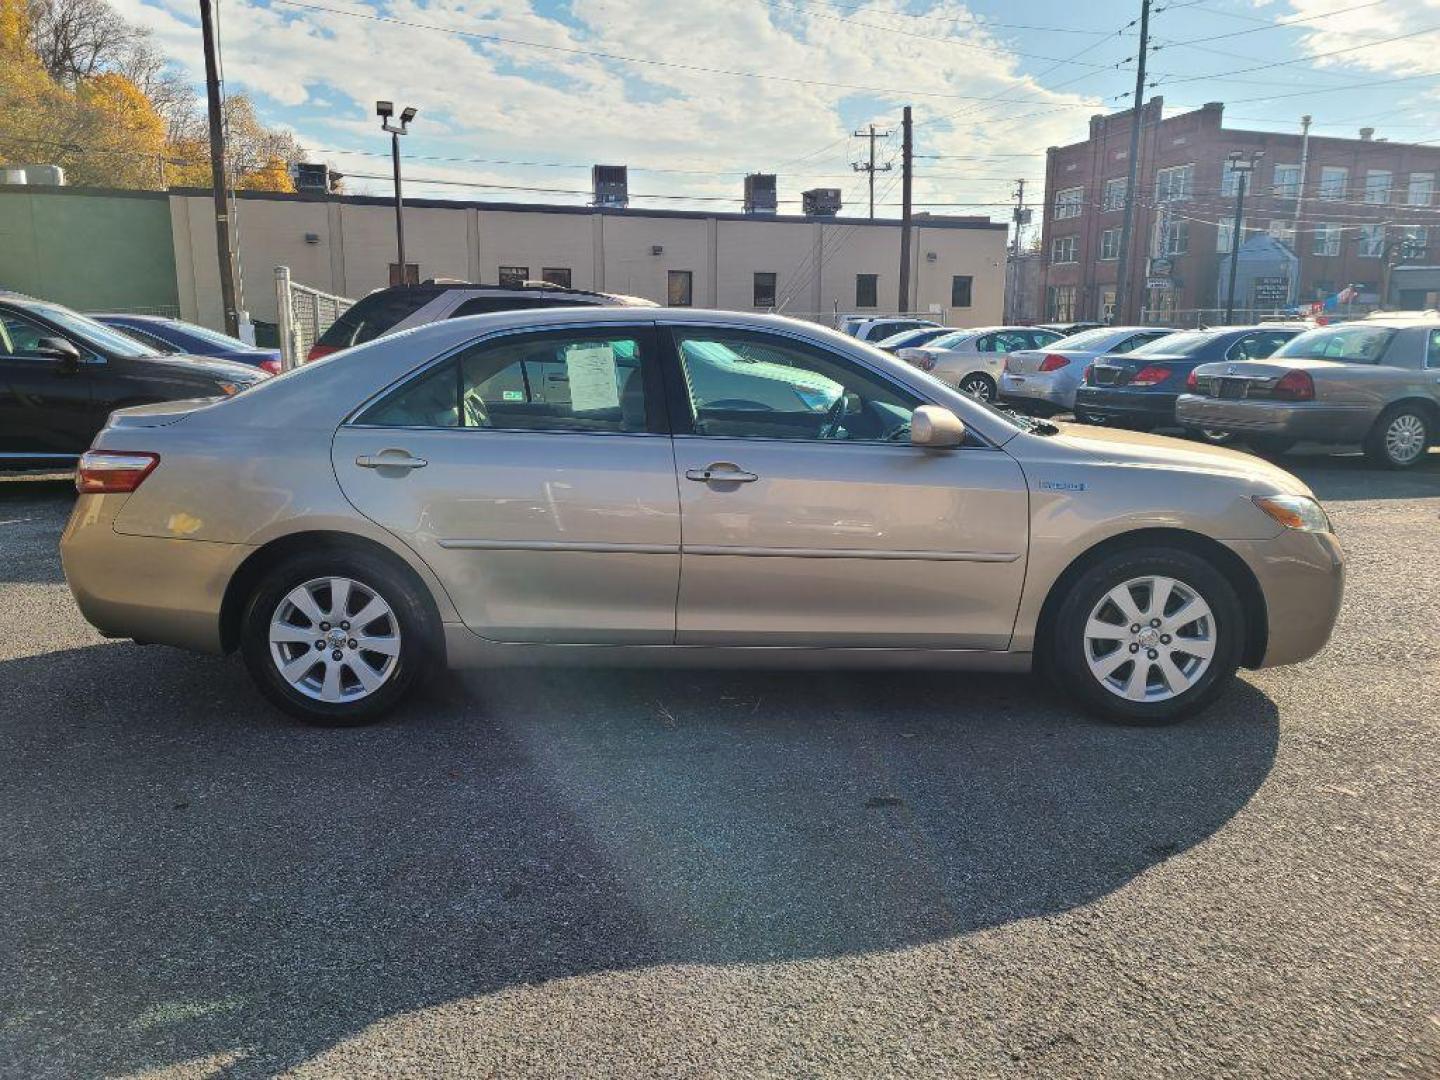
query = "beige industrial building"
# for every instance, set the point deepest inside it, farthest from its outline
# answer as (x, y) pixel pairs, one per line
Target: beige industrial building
(811, 267)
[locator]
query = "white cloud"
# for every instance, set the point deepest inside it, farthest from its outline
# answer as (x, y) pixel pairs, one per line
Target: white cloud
(1351, 28)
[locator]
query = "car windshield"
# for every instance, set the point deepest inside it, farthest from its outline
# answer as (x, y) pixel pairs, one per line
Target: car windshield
(1350, 344)
(95, 334)
(1085, 339)
(949, 341)
(1182, 344)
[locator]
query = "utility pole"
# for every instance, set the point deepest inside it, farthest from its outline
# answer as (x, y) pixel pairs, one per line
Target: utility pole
(1241, 165)
(1022, 218)
(907, 169)
(1294, 291)
(871, 168)
(218, 179)
(1123, 268)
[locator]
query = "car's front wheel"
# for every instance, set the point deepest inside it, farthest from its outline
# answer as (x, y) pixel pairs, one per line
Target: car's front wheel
(1148, 636)
(1400, 437)
(336, 637)
(980, 386)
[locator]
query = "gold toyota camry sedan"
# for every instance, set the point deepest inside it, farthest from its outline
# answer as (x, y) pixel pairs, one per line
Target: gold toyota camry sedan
(651, 486)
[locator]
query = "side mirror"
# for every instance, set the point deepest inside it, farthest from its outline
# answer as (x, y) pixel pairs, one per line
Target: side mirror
(57, 348)
(936, 428)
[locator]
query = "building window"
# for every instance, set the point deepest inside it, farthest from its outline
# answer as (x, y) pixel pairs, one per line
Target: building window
(765, 290)
(1174, 184)
(1174, 237)
(1114, 196)
(1333, 181)
(1287, 182)
(1283, 231)
(556, 275)
(1230, 179)
(1327, 239)
(867, 288)
(1110, 244)
(1416, 239)
(1377, 186)
(678, 286)
(412, 274)
(1061, 303)
(1223, 230)
(960, 288)
(512, 277)
(1068, 203)
(1372, 241)
(1422, 189)
(1062, 250)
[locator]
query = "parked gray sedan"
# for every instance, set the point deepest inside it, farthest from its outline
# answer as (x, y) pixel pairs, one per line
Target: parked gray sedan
(1376, 383)
(1045, 379)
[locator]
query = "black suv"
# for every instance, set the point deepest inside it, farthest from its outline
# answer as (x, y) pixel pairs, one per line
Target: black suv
(62, 374)
(402, 306)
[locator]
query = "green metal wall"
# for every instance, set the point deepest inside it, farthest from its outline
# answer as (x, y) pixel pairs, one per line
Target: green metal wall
(93, 251)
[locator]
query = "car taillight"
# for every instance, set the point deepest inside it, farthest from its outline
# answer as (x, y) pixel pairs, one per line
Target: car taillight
(106, 472)
(1151, 375)
(272, 366)
(318, 350)
(1054, 362)
(1294, 386)
(1191, 382)
(1088, 375)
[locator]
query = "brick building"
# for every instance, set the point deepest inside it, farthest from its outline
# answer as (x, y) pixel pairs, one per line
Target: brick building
(1349, 210)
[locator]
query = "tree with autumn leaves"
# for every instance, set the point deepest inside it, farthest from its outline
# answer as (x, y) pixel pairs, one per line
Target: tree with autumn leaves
(81, 88)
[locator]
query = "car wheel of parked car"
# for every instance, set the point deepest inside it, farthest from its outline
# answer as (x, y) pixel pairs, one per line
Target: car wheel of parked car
(1210, 435)
(336, 638)
(1400, 437)
(1148, 636)
(1269, 444)
(980, 386)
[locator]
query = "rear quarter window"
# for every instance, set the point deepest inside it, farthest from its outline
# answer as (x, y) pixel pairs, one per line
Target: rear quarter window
(375, 315)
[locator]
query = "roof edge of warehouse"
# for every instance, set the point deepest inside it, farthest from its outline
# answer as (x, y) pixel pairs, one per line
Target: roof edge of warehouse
(929, 221)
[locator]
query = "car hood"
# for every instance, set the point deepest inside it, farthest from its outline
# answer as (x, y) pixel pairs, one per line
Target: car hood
(1120, 447)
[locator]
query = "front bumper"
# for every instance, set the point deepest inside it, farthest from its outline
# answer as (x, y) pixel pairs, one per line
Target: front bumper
(1042, 387)
(1302, 578)
(1299, 420)
(154, 589)
(1125, 407)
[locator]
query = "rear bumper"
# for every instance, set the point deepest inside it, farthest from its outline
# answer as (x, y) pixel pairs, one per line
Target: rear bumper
(1286, 419)
(1125, 406)
(1042, 387)
(1302, 577)
(153, 589)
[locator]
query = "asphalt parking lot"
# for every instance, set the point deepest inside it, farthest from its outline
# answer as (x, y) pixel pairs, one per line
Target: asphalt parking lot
(696, 874)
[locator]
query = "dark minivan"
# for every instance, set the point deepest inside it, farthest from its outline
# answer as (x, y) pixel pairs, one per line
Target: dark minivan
(62, 374)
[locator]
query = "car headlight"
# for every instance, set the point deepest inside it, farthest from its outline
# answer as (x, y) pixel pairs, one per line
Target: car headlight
(1295, 512)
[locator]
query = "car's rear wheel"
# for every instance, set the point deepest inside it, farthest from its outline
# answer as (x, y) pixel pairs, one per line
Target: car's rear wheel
(336, 638)
(978, 385)
(1148, 636)
(1399, 437)
(1213, 436)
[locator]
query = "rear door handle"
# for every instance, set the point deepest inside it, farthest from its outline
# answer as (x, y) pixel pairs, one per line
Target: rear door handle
(390, 459)
(721, 472)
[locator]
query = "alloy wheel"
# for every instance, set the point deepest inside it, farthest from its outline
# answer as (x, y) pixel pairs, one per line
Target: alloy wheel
(977, 387)
(1405, 438)
(1150, 639)
(334, 639)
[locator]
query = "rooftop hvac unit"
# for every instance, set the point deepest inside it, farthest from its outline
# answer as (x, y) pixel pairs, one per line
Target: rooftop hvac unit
(760, 193)
(312, 179)
(821, 202)
(42, 175)
(610, 184)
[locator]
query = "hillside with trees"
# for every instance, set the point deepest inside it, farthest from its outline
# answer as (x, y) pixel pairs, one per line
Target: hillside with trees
(83, 89)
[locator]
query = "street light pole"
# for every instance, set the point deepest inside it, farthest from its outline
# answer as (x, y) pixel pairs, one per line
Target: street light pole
(1241, 165)
(385, 110)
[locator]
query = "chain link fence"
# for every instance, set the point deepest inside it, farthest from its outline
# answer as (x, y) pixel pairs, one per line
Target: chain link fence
(304, 314)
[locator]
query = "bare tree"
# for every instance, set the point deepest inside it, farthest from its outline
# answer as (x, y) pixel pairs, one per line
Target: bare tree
(79, 38)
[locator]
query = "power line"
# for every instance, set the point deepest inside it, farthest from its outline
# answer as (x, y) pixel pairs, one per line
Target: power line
(1302, 60)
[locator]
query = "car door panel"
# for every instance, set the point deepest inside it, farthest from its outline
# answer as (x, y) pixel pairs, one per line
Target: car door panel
(45, 404)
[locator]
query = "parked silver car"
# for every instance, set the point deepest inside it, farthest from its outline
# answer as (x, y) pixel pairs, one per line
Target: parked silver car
(1045, 379)
(677, 486)
(973, 360)
(1375, 383)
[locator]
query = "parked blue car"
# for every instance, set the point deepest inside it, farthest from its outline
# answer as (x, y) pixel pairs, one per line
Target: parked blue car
(1138, 389)
(175, 336)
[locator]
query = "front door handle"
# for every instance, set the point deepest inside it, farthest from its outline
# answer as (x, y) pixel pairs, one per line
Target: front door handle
(721, 472)
(390, 459)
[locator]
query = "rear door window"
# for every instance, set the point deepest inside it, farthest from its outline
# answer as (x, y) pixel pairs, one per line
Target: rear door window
(375, 315)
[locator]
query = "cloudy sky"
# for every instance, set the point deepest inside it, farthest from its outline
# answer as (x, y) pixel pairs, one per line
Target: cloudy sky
(518, 97)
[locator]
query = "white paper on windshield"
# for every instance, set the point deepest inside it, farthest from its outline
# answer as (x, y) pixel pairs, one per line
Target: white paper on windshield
(591, 369)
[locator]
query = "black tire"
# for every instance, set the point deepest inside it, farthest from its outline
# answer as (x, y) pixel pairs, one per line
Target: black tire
(1067, 660)
(1083, 417)
(1269, 445)
(1380, 448)
(1211, 436)
(979, 385)
(418, 635)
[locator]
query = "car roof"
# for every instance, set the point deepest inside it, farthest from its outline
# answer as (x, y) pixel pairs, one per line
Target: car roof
(443, 285)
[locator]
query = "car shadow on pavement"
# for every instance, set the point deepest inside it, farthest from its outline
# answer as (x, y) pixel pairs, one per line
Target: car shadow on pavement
(190, 875)
(1349, 477)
